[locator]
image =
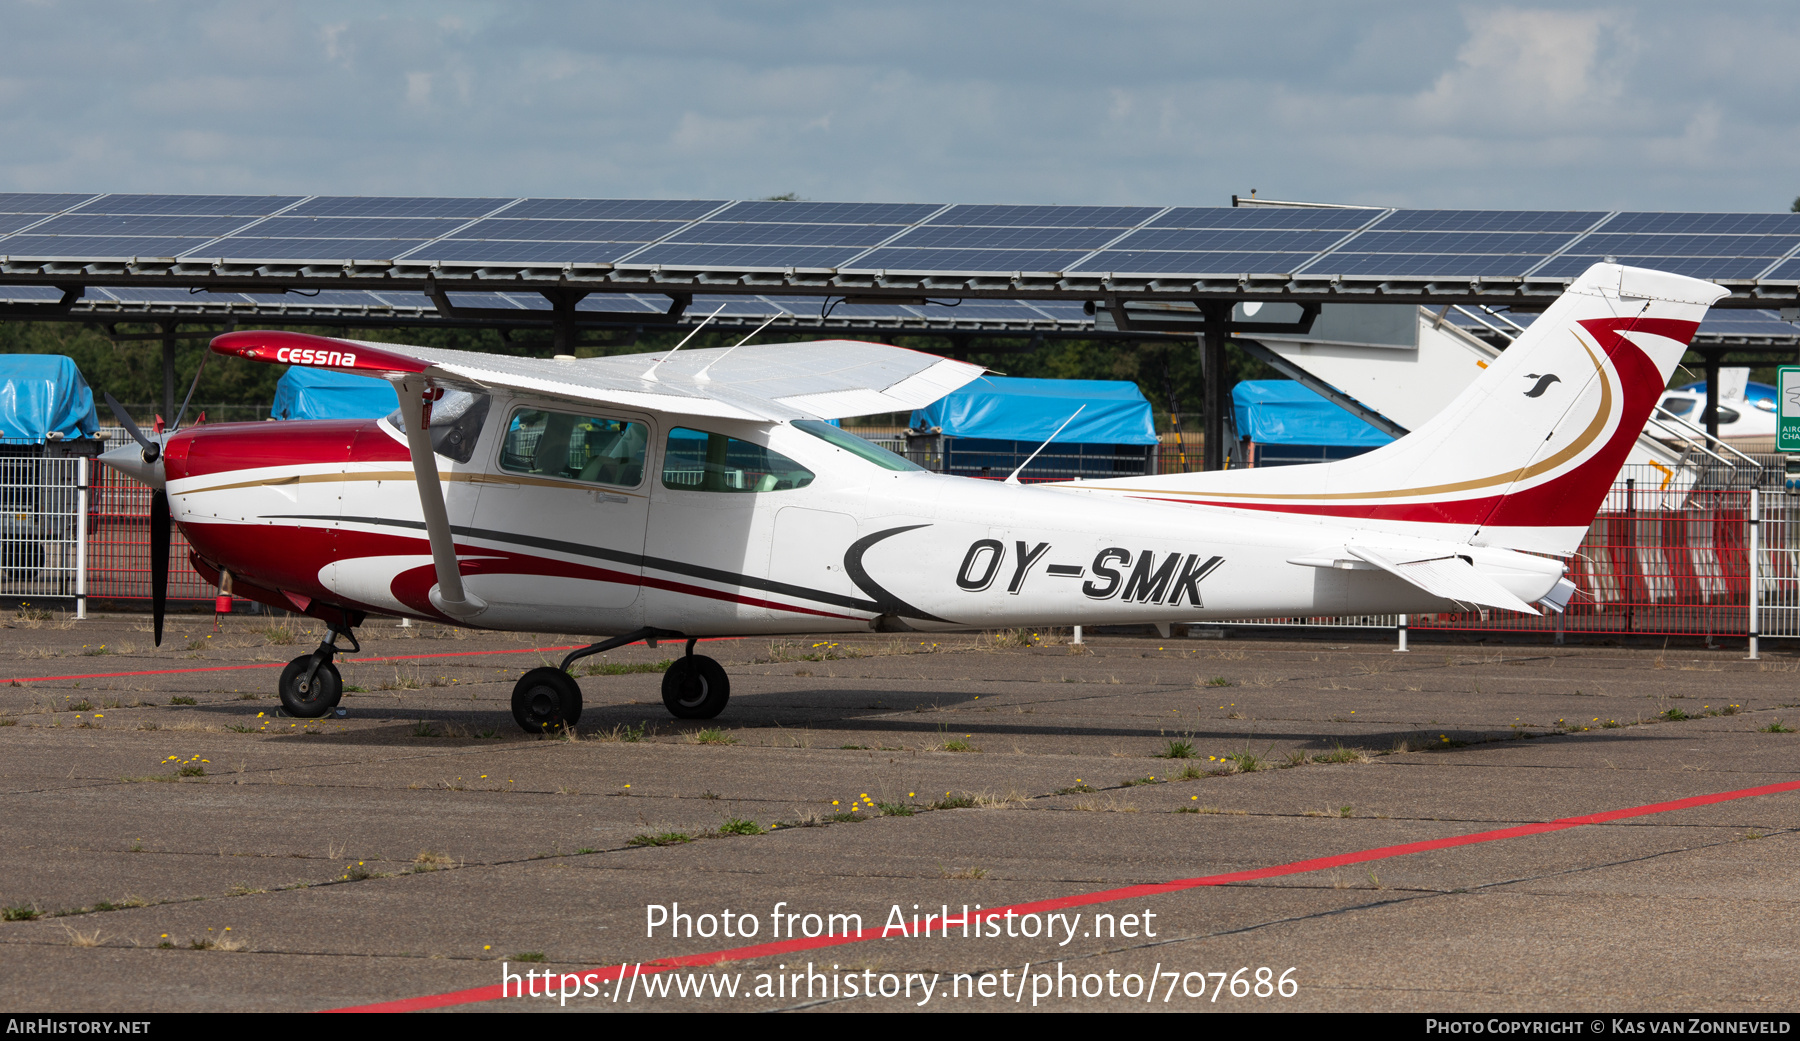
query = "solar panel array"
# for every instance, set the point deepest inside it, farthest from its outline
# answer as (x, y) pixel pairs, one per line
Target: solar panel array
(894, 237)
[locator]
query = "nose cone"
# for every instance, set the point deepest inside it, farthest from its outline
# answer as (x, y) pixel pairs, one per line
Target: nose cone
(128, 459)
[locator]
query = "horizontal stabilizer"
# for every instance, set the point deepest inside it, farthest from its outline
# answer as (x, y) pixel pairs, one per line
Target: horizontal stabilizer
(1450, 577)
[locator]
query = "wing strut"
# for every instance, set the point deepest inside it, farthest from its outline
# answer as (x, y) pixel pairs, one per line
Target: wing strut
(448, 595)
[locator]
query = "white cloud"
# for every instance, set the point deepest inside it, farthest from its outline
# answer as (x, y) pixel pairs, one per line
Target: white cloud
(1659, 105)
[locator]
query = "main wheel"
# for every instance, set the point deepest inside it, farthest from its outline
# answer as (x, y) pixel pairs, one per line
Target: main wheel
(311, 700)
(545, 699)
(695, 687)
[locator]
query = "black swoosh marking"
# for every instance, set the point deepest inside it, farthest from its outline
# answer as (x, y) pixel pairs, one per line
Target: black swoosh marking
(637, 560)
(1543, 384)
(890, 604)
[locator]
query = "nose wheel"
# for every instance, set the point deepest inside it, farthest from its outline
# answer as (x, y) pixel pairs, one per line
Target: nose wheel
(311, 686)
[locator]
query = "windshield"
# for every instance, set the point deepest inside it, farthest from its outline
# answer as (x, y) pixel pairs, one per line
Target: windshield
(856, 446)
(456, 421)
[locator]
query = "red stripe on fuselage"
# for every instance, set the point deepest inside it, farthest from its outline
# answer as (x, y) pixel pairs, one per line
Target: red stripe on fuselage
(245, 549)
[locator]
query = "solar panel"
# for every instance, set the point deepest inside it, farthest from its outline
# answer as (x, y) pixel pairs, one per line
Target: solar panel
(1152, 262)
(932, 236)
(1313, 219)
(1708, 223)
(721, 233)
(614, 209)
(1048, 216)
(1490, 220)
(250, 248)
(968, 260)
(496, 251)
(102, 247)
(1770, 246)
(685, 255)
(750, 245)
(26, 202)
(1251, 239)
(1420, 265)
(185, 205)
(351, 227)
(1384, 241)
(830, 212)
(1571, 264)
(109, 224)
(514, 229)
(374, 206)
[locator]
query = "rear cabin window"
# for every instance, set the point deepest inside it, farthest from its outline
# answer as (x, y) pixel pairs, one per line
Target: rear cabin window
(697, 461)
(575, 448)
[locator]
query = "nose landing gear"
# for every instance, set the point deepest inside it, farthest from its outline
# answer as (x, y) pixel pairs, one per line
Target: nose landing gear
(311, 686)
(694, 687)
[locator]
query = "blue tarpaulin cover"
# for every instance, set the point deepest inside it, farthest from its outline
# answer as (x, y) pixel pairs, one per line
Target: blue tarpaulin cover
(1282, 412)
(41, 394)
(1014, 409)
(304, 393)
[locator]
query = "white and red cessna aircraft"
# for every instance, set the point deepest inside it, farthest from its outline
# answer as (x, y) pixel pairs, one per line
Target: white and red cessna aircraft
(701, 493)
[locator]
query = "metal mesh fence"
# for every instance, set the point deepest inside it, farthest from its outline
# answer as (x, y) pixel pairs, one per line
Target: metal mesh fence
(40, 526)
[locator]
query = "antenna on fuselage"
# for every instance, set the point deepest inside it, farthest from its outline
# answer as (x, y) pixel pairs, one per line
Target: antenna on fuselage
(701, 375)
(1013, 478)
(650, 373)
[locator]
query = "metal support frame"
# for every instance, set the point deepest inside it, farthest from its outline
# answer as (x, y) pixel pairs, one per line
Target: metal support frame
(83, 470)
(449, 596)
(649, 634)
(1711, 416)
(169, 331)
(327, 650)
(1755, 569)
(1218, 385)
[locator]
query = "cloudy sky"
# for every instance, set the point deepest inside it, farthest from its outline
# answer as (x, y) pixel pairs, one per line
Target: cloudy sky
(1640, 106)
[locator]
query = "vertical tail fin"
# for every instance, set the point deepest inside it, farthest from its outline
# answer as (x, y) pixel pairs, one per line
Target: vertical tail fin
(1524, 457)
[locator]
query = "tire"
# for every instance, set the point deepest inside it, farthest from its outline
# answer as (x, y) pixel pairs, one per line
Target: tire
(327, 688)
(545, 699)
(695, 687)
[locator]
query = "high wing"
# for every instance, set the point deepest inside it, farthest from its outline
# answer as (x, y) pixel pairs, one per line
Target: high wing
(822, 379)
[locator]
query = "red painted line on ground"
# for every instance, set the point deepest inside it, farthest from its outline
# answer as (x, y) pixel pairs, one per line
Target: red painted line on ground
(279, 664)
(1298, 867)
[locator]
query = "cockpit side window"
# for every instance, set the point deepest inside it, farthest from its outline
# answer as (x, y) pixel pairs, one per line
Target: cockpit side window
(697, 461)
(575, 448)
(456, 422)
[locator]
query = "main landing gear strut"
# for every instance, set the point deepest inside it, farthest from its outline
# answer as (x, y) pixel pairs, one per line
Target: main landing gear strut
(694, 687)
(311, 685)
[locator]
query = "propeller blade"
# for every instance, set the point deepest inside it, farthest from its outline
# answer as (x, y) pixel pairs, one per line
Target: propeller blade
(159, 559)
(151, 449)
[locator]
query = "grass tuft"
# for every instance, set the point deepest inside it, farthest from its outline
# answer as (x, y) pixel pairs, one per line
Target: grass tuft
(956, 802)
(181, 700)
(713, 736)
(661, 838)
(1177, 750)
(1776, 727)
(739, 826)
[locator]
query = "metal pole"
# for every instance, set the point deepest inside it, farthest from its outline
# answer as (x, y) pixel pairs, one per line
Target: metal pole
(1402, 648)
(1755, 551)
(168, 367)
(1711, 418)
(1212, 361)
(81, 536)
(1077, 640)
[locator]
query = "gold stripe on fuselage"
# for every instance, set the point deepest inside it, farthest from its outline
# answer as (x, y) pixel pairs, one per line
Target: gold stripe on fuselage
(407, 475)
